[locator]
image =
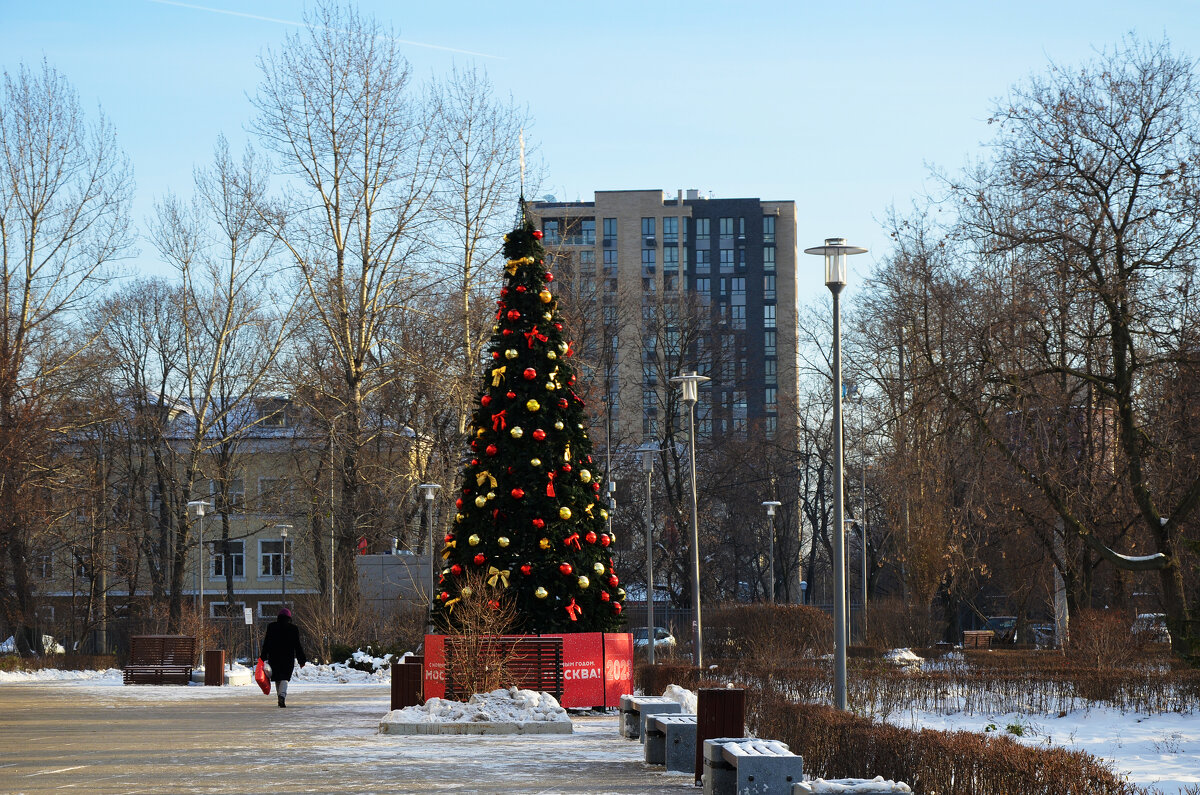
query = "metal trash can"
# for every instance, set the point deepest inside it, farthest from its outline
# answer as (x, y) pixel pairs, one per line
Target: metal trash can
(406, 685)
(214, 667)
(720, 712)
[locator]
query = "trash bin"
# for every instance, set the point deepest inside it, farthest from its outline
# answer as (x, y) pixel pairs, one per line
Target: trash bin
(214, 667)
(406, 685)
(720, 712)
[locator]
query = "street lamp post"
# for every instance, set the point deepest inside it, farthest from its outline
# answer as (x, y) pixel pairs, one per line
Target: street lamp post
(690, 385)
(835, 252)
(283, 561)
(200, 506)
(771, 505)
(647, 451)
(430, 490)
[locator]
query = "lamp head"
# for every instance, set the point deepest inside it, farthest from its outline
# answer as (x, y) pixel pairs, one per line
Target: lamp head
(429, 490)
(835, 252)
(690, 384)
(771, 506)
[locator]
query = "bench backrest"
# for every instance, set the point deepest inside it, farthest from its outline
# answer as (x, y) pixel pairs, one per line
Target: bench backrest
(177, 650)
(532, 663)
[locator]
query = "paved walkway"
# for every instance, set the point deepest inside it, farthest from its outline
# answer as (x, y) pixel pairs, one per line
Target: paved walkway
(107, 739)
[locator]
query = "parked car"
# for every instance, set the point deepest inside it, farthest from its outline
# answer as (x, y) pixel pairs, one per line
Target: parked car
(49, 645)
(1152, 627)
(664, 641)
(1004, 627)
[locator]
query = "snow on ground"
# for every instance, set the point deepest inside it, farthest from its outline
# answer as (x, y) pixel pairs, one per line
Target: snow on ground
(498, 706)
(111, 676)
(849, 786)
(904, 657)
(1161, 750)
(685, 697)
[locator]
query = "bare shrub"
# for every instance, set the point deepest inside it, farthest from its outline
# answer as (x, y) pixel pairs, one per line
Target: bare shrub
(769, 634)
(476, 662)
(891, 624)
(1104, 639)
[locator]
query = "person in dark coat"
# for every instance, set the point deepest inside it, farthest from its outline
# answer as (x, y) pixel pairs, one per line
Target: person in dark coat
(281, 648)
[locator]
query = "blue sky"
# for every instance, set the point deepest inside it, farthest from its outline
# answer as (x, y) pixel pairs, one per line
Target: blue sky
(841, 107)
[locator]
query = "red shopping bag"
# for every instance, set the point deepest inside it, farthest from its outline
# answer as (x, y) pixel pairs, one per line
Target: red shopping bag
(260, 676)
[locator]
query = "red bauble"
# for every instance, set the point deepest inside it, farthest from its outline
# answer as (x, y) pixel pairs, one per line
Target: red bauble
(518, 493)
(510, 470)
(617, 608)
(565, 568)
(537, 234)
(526, 569)
(596, 487)
(494, 604)
(566, 467)
(558, 326)
(613, 581)
(491, 449)
(520, 288)
(605, 540)
(479, 559)
(589, 459)
(562, 403)
(590, 537)
(449, 538)
(529, 374)
(506, 332)
(571, 381)
(458, 503)
(474, 444)
(456, 569)
(604, 597)
(539, 434)
(443, 596)
(486, 399)
(514, 314)
(539, 523)
(474, 463)
(510, 395)
(503, 291)
(548, 276)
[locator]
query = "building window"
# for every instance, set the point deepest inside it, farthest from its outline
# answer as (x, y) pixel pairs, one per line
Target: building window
(670, 282)
(737, 316)
(237, 496)
(670, 258)
(769, 286)
(649, 401)
(768, 343)
(648, 236)
(648, 284)
(275, 495)
(702, 284)
(670, 231)
(237, 558)
(770, 399)
(610, 229)
(587, 231)
(270, 558)
(726, 228)
(737, 285)
(768, 258)
(550, 231)
(741, 229)
(769, 229)
(610, 315)
(610, 286)
(769, 316)
(770, 424)
(726, 260)
(703, 260)
(587, 258)
(649, 428)
(703, 225)
(44, 567)
(770, 370)
(648, 257)
(273, 412)
(610, 261)
(222, 610)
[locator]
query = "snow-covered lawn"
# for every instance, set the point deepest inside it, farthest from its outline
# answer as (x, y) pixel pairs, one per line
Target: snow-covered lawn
(1162, 751)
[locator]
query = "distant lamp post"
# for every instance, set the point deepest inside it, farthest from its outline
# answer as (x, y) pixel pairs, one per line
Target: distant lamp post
(283, 562)
(430, 490)
(835, 252)
(856, 394)
(690, 385)
(200, 507)
(647, 452)
(771, 505)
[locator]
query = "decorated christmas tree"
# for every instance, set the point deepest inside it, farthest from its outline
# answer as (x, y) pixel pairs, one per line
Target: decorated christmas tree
(530, 527)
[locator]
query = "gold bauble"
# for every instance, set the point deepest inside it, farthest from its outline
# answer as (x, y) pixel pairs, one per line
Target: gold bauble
(620, 593)
(535, 462)
(598, 568)
(532, 405)
(516, 432)
(547, 316)
(564, 513)
(511, 353)
(473, 540)
(480, 501)
(541, 593)
(544, 543)
(551, 386)
(603, 514)
(503, 542)
(458, 517)
(491, 495)
(585, 476)
(551, 355)
(584, 582)
(466, 592)
(558, 426)
(545, 296)
(562, 347)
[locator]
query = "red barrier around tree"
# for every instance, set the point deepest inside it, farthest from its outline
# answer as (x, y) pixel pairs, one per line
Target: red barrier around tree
(597, 668)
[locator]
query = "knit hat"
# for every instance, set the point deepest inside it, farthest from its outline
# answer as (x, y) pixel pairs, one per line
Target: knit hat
(285, 613)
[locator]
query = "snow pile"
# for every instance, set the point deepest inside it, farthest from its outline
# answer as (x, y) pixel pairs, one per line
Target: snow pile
(339, 673)
(686, 698)
(904, 658)
(364, 661)
(498, 706)
(853, 785)
(111, 676)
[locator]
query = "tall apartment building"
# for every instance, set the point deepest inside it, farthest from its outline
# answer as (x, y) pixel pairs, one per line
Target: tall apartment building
(713, 282)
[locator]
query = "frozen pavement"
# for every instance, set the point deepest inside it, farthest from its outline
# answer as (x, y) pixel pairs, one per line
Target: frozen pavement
(99, 737)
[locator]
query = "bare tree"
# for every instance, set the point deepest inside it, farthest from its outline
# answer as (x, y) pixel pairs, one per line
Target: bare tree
(64, 195)
(337, 106)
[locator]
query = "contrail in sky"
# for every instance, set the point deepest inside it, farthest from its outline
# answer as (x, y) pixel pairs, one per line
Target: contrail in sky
(304, 25)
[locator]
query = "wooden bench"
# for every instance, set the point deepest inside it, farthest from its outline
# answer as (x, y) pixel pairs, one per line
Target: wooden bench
(977, 639)
(634, 709)
(747, 766)
(532, 663)
(160, 660)
(671, 741)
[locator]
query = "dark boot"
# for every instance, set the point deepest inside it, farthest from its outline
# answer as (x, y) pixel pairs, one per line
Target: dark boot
(281, 701)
